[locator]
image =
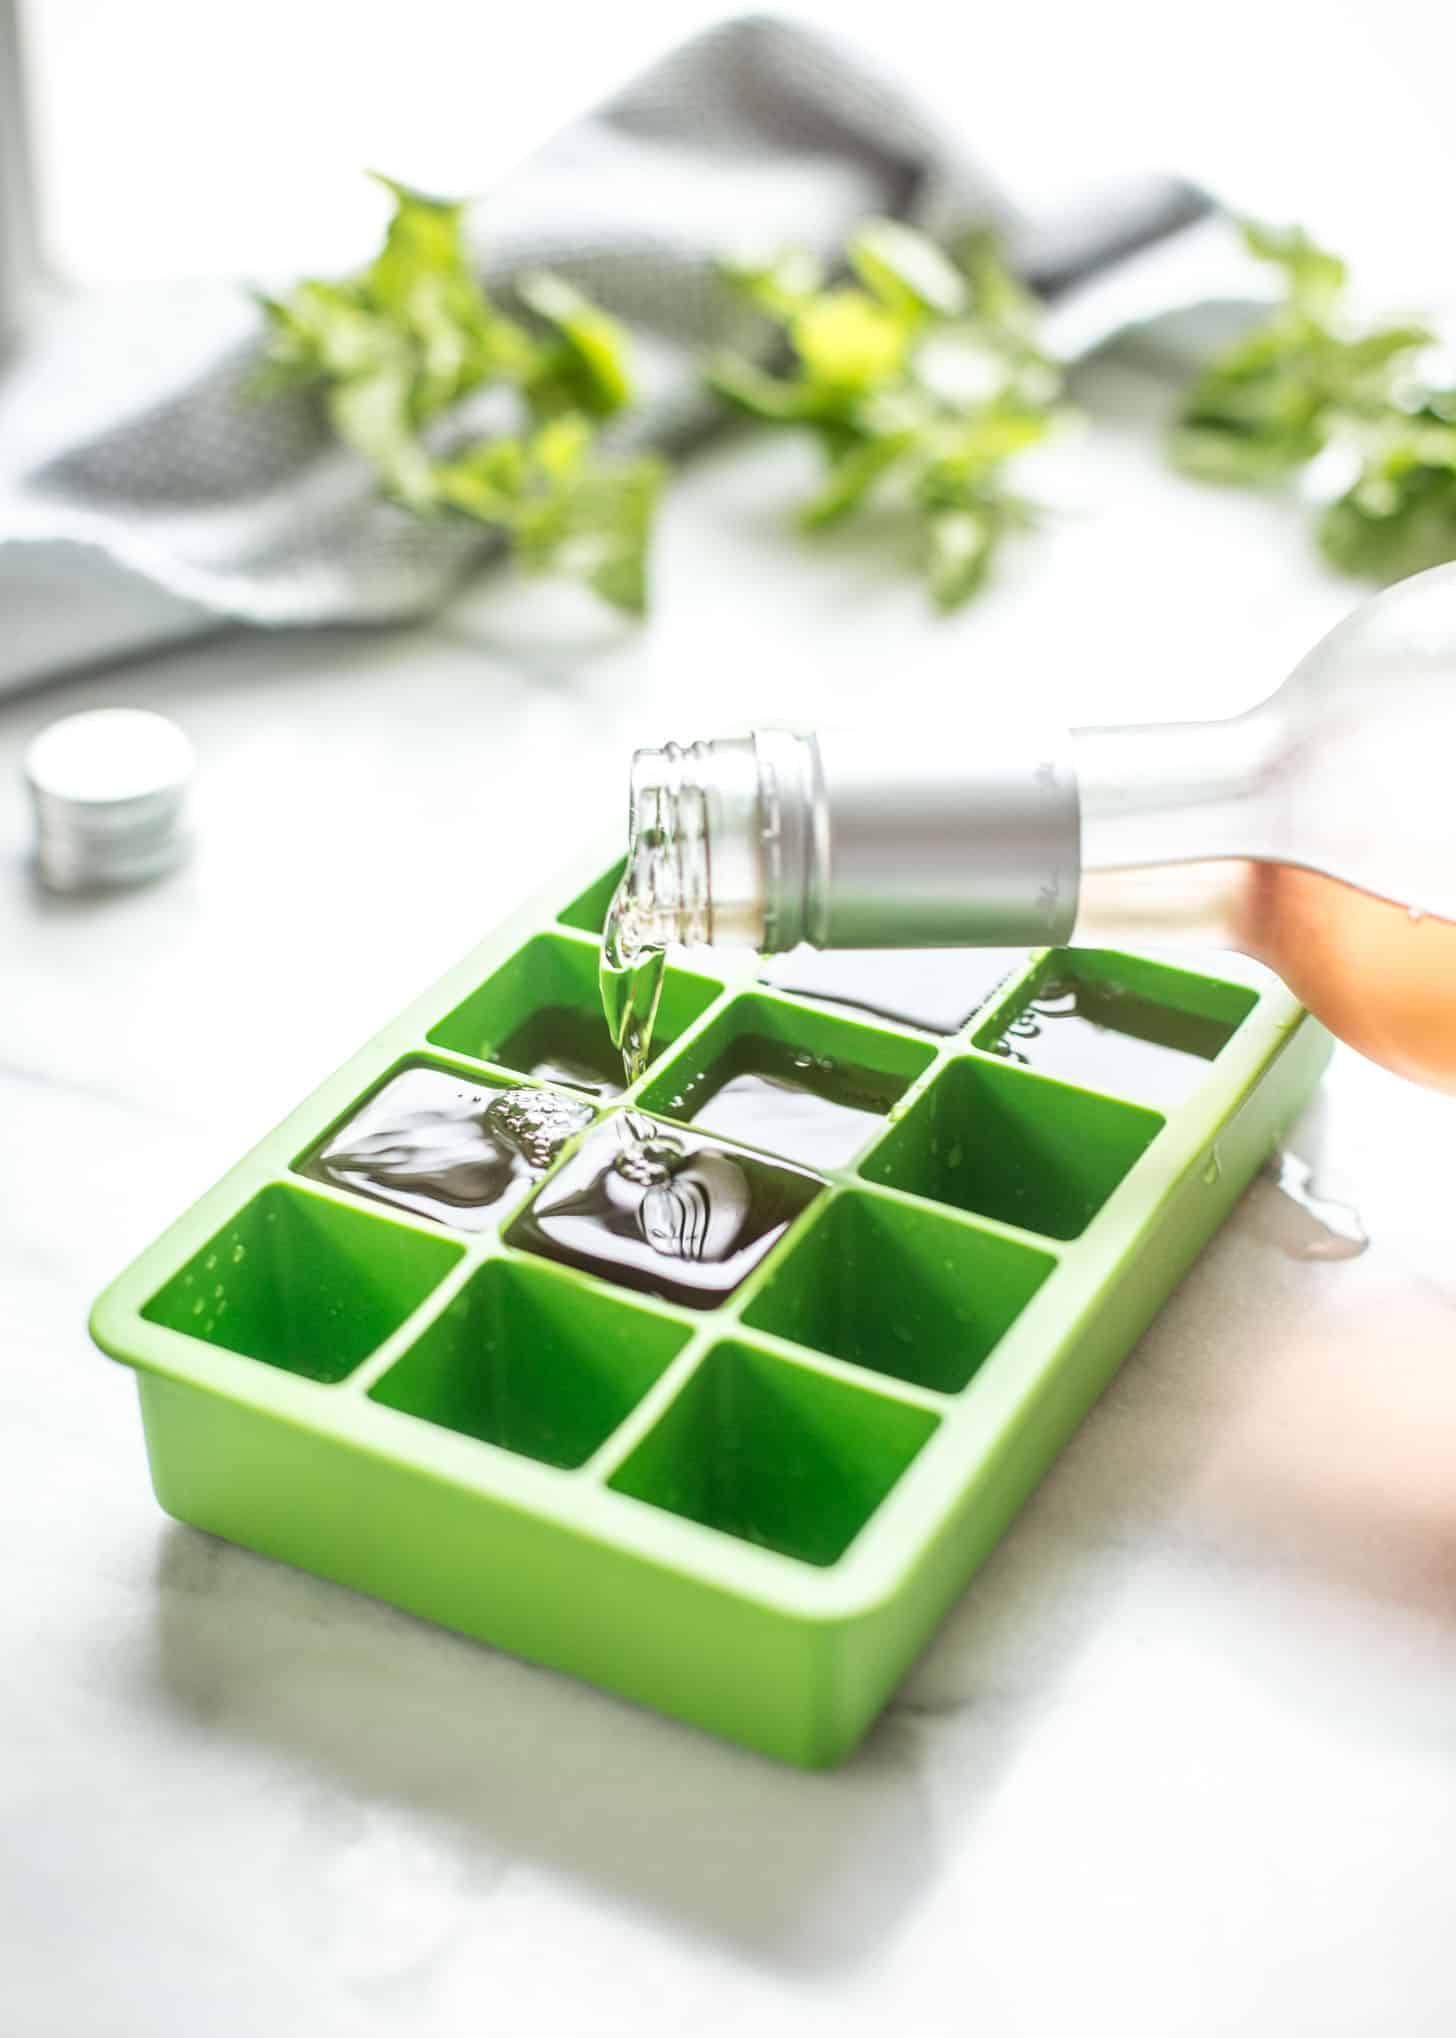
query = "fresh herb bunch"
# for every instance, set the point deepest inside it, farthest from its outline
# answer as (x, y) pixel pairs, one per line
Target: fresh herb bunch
(394, 349)
(922, 372)
(1306, 379)
(1400, 515)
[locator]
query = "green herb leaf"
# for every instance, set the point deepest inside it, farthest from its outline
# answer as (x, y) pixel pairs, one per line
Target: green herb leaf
(396, 347)
(961, 542)
(1000, 302)
(371, 413)
(612, 529)
(1400, 516)
(966, 451)
(1316, 278)
(587, 369)
(487, 481)
(421, 287)
(1305, 379)
(851, 478)
(775, 399)
(848, 343)
(924, 369)
(907, 272)
(779, 287)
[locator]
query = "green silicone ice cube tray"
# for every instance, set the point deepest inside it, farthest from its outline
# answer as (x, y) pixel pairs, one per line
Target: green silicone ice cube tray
(750, 1513)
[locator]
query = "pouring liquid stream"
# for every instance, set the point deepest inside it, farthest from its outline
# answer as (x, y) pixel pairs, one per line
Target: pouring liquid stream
(661, 896)
(634, 957)
(689, 1202)
(631, 989)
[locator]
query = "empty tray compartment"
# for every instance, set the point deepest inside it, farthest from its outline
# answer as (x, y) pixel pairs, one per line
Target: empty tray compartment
(303, 1283)
(1003, 1143)
(899, 1289)
(521, 1359)
(775, 1454)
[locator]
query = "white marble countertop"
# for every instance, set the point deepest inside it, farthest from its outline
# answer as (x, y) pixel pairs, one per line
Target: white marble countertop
(1183, 1760)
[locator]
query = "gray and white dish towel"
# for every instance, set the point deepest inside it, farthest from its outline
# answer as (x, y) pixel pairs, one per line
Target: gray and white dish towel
(143, 499)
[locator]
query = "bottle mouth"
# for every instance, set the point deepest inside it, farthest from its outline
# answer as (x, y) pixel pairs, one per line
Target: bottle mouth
(695, 872)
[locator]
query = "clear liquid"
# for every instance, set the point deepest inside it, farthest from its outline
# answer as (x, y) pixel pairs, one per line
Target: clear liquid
(806, 1107)
(631, 986)
(1104, 1038)
(430, 1144)
(667, 1213)
(633, 962)
(1305, 1223)
(662, 897)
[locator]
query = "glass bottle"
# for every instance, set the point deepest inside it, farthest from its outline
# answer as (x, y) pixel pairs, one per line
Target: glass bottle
(1317, 833)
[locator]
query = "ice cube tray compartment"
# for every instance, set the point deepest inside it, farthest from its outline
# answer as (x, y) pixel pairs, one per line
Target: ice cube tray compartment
(1117, 1023)
(386, 1150)
(749, 1511)
(543, 1007)
(813, 1089)
(520, 1360)
(899, 1291)
(693, 1239)
(774, 1453)
(587, 912)
(998, 1142)
(297, 1282)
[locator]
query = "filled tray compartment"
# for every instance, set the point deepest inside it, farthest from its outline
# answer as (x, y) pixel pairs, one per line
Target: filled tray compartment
(460, 1149)
(692, 1235)
(803, 1084)
(540, 1015)
(1117, 1023)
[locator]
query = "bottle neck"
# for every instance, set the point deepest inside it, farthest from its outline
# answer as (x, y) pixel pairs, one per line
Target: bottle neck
(1176, 820)
(1202, 905)
(1175, 793)
(852, 840)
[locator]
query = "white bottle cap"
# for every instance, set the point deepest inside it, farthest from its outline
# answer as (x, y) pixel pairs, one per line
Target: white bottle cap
(109, 789)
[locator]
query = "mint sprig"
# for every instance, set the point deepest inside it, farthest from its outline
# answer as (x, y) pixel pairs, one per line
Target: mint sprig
(920, 374)
(392, 351)
(1307, 378)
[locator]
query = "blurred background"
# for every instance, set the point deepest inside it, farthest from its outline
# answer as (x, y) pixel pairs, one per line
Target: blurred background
(173, 139)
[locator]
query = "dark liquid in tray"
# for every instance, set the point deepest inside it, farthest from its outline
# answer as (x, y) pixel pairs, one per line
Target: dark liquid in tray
(808, 1108)
(668, 1213)
(1103, 1038)
(561, 1045)
(938, 990)
(444, 1148)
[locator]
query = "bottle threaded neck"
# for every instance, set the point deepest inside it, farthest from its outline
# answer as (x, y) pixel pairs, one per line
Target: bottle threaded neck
(852, 839)
(694, 862)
